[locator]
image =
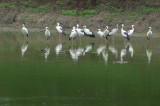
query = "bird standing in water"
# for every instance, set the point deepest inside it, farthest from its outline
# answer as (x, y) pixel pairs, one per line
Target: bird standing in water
(25, 32)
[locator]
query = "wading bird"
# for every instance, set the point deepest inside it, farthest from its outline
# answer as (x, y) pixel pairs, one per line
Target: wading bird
(47, 33)
(149, 33)
(25, 32)
(60, 30)
(87, 32)
(73, 34)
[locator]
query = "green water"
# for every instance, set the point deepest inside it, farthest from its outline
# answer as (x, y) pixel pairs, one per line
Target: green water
(35, 74)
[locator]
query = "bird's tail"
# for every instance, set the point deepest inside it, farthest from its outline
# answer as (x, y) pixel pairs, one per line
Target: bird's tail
(27, 35)
(128, 38)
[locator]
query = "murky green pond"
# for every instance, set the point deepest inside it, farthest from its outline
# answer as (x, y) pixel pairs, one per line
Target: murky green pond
(93, 73)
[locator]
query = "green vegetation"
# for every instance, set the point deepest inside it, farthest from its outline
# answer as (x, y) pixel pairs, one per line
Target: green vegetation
(111, 15)
(24, 19)
(38, 9)
(69, 12)
(84, 13)
(59, 3)
(132, 15)
(109, 7)
(148, 10)
(9, 5)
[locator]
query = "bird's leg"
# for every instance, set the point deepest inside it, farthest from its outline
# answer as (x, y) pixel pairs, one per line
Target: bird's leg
(72, 42)
(113, 40)
(80, 40)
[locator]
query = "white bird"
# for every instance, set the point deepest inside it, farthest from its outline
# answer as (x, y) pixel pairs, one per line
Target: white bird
(113, 31)
(58, 48)
(24, 48)
(80, 32)
(47, 33)
(149, 33)
(88, 32)
(130, 32)
(100, 33)
(73, 34)
(60, 29)
(124, 33)
(25, 31)
(106, 32)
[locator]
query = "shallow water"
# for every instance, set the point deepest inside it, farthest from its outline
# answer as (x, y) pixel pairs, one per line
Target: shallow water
(93, 73)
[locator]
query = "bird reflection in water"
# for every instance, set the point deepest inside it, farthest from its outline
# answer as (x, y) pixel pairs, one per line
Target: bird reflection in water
(127, 49)
(58, 49)
(149, 53)
(24, 48)
(46, 52)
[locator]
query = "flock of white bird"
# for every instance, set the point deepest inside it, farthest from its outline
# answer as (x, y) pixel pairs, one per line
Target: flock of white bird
(76, 31)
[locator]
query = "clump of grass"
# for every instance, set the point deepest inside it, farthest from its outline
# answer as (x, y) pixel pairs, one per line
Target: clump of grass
(69, 12)
(109, 7)
(10, 5)
(111, 15)
(132, 15)
(38, 9)
(24, 19)
(84, 13)
(87, 13)
(59, 3)
(148, 10)
(130, 22)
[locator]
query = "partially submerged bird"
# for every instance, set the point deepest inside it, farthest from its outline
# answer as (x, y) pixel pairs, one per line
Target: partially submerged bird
(149, 33)
(25, 31)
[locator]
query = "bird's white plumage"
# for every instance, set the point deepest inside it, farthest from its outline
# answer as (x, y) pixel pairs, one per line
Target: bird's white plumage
(47, 32)
(59, 28)
(73, 33)
(113, 31)
(79, 31)
(130, 32)
(123, 31)
(100, 33)
(87, 31)
(149, 33)
(24, 30)
(106, 32)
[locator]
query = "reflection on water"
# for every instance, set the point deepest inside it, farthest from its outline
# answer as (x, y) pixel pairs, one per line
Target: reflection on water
(24, 48)
(86, 82)
(46, 52)
(149, 52)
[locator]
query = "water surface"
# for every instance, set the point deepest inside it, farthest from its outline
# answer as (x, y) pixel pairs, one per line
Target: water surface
(90, 73)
